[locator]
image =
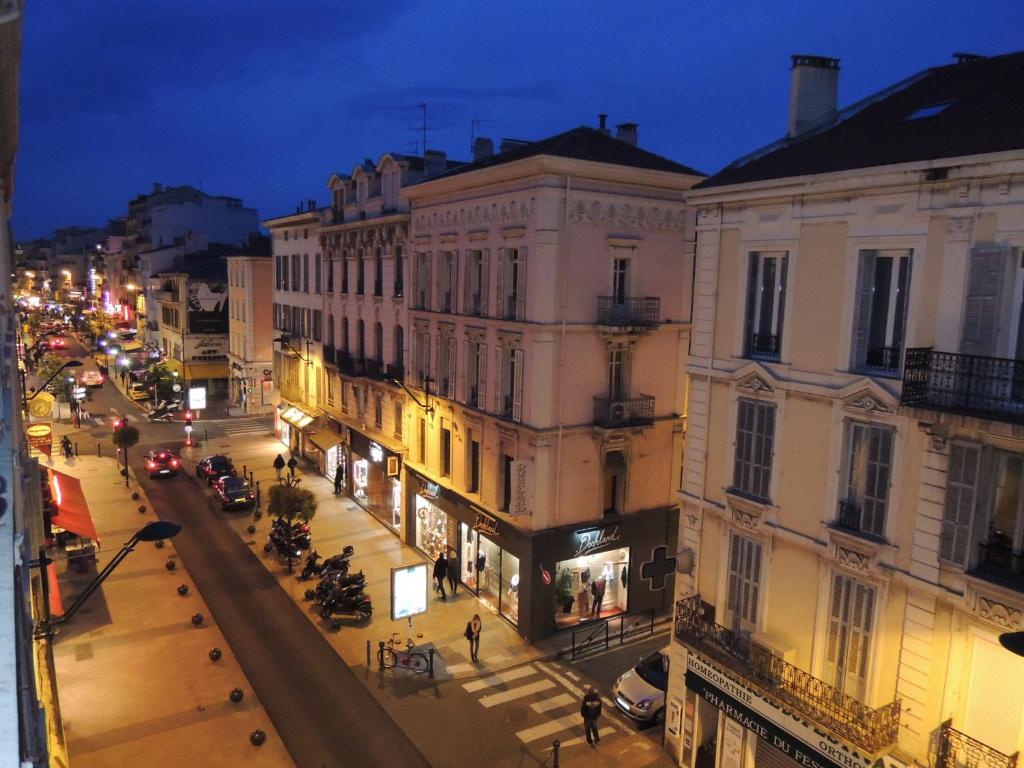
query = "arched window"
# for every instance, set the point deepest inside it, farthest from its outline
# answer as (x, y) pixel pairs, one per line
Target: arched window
(330, 330)
(361, 339)
(399, 347)
(360, 273)
(399, 273)
(344, 334)
(378, 274)
(344, 271)
(378, 343)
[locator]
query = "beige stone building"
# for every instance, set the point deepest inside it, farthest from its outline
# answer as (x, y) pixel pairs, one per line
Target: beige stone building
(250, 334)
(852, 483)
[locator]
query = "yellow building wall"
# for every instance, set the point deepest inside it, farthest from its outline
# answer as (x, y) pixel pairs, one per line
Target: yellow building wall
(730, 290)
(719, 442)
(804, 464)
(818, 272)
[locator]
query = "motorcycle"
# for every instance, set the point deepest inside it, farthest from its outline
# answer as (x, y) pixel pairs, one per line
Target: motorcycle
(280, 536)
(335, 581)
(335, 563)
(284, 548)
(358, 603)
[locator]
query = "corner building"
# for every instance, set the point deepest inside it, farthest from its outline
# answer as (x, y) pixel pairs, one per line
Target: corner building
(547, 293)
(852, 485)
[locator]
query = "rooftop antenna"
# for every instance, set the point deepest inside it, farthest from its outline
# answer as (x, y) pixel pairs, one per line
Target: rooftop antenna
(423, 107)
(473, 125)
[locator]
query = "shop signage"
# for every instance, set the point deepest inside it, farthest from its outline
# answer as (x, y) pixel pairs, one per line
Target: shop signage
(657, 569)
(797, 739)
(393, 468)
(376, 453)
(520, 504)
(429, 490)
(592, 539)
(408, 591)
(40, 437)
(486, 524)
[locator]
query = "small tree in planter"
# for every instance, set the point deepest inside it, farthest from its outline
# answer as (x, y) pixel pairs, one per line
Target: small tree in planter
(125, 437)
(563, 590)
(289, 501)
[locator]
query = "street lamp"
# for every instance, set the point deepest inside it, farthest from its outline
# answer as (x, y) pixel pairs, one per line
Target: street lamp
(26, 400)
(1013, 642)
(284, 341)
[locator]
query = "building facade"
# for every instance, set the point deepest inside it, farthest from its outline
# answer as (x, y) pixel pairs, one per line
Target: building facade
(250, 334)
(851, 482)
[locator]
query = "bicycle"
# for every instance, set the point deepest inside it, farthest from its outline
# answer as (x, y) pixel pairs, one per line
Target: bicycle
(391, 655)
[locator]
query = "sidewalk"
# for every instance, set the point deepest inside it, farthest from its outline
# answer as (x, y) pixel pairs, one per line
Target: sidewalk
(136, 684)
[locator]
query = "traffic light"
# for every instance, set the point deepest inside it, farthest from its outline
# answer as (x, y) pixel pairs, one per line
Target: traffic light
(118, 423)
(188, 418)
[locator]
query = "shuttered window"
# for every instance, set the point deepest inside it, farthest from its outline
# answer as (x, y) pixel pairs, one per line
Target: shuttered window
(755, 437)
(766, 303)
(850, 621)
(961, 493)
(985, 282)
(512, 284)
(868, 475)
(744, 588)
(883, 284)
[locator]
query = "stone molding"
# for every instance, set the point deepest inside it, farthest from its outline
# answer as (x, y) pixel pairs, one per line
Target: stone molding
(509, 212)
(652, 218)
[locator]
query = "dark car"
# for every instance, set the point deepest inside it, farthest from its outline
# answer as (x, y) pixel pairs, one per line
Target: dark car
(162, 463)
(234, 493)
(212, 468)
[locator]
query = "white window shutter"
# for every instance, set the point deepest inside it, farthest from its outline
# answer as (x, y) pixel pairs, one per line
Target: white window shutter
(467, 281)
(437, 373)
(862, 606)
(958, 512)
(499, 294)
(862, 307)
(500, 375)
(985, 282)
(467, 381)
(428, 287)
(485, 280)
(481, 362)
(517, 388)
(453, 281)
(834, 638)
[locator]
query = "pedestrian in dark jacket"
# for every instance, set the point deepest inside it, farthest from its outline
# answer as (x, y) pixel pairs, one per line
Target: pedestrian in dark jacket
(338, 478)
(590, 708)
(292, 464)
(453, 571)
(279, 465)
(473, 628)
(440, 572)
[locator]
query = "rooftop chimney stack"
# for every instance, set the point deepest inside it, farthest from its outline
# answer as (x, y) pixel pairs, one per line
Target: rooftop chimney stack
(157, 187)
(601, 120)
(813, 94)
(482, 148)
(626, 132)
(434, 162)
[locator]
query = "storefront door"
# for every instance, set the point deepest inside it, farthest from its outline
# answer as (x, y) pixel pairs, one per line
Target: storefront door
(489, 572)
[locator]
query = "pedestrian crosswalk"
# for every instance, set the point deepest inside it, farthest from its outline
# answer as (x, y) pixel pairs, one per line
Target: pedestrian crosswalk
(258, 425)
(552, 698)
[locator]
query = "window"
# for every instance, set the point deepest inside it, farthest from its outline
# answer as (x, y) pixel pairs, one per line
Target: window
(476, 373)
(744, 588)
(330, 386)
(422, 357)
(618, 372)
(360, 274)
(280, 275)
(399, 351)
(620, 280)
(378, 342)
(378, 411)
(613, 498)
(305, 234)
(961, 495)
(511, 367)
(399, 273)
(344, 271)
(286, 235)
(318, 274)
(421, 281)
(929, 111)
(473, 465)
(512, 284)
(766, 303)
(330, 331)
(361, 340)
(868, 472)
(881, 310)
(344, 335)
(398, 419)
(318, 324)
(755, 435)
(295, 273)
(447, 281)
(475, 285)
(378, 274)
(329, 265)
(446, 358)
(344, 396)
(446, 452)
(506, 482)
(421, 439)
(850, 620)
(305, 273)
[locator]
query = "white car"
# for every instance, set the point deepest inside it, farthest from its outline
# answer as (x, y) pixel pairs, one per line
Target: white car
(92, 379)
(640, 692)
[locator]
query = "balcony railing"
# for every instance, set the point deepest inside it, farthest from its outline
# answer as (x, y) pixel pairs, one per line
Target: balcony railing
(473, 397)
(957, 749)
(764, 345)
(349, 365)
(998, 562)
(634, 312)
(870, 729)
(973, 385)
(886, 359)
(849, 517)
(507, 406)
(375, 369)
(634, 411)
(396, 372)
(330, 355)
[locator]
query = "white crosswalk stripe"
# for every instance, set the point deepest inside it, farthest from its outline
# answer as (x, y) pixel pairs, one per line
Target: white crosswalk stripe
(236, 427)
(502, 677)
(553, 703)
(517, 693)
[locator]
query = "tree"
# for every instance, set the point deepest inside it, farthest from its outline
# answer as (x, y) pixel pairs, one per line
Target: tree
(289, 501)
(125, 437)
(100, 324)
(161, 377)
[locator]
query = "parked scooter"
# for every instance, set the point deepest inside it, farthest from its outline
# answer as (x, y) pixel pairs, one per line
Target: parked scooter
(335, 563)
(333, 582)
(357, 603)
(280, 536)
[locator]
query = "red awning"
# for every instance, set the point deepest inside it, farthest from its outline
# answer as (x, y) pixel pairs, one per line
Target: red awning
(56, 604)
(72, 511)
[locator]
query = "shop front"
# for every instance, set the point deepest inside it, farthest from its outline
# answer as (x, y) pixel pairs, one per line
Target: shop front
(326, 444)
(292, 423)
(375, 479)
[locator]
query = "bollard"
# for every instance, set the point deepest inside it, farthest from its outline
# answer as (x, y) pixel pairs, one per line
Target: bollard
(99, 451)
(430, 662)
(380, 656)
(252, 479)
(76, 448)
(554, 751)
(367, 649)
(245, 470)
(258, 499)
(206, 438)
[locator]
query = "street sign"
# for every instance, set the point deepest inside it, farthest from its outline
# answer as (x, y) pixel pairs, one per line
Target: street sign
(40, 437)
(176, 387)
(409, 591)
(188, 429)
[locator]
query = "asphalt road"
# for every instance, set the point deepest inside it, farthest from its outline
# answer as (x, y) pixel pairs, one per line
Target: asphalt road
(323, 713)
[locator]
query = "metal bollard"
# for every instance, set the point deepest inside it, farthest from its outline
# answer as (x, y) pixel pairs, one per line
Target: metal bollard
(380, 656)
(99, 450)
(244, 471)
(367, 654)
(76, 447)
(206, 437)
(554, 751)
(258, 499)
(430, 662)
(252, 477)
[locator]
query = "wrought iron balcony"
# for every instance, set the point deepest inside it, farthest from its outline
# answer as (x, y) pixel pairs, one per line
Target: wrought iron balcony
(507, 406)
(375, 369)
(972, 385)
(631, 412)
(958, 749)
(330, 355)
(349, 365)
(870, 729)
(764, 345)
(866, 518)
(998, 562)
(849, 516)
(883, 359)
(396, 372)
(473, 397)
(633, 312)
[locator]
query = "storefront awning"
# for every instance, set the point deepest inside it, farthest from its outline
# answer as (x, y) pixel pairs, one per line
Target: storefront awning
(132, 346)
(72, 511)
(195, 371)
(325, 439)
(297, 417)
(56, 604)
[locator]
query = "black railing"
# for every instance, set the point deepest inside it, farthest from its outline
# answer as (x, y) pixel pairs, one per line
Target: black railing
(998, 562)
(600, 636)
(858, 516)
(330, 355)
(883, 359)
(374, 369)
(349, 365)
(633, 312)
(507, 406)
(764, 345)
(871, 729)
(973, 385)
(633, 411)
(473, 397)
(849, 517)
(396, 372)
(957, 749)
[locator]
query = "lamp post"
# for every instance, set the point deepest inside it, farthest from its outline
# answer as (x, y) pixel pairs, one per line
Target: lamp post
(1013, 642)
(25, 400)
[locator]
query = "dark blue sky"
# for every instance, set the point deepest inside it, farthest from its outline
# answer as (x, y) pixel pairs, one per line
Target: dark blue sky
(263, 100)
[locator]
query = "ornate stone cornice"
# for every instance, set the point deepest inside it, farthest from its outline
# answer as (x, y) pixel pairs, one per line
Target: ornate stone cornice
(866, 401)
(651, 218)
(754, 384)
(995, 609)
(508, 212)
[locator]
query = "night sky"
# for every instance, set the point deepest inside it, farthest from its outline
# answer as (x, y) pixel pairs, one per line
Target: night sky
(264, 100)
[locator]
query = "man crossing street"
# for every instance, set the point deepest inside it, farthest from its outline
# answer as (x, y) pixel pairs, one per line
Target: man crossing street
(590, 708)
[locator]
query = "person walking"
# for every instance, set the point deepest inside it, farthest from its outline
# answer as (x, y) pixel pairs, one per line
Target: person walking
(590, 708)
(440, 572)
(473, 628)
(279, 465)
(338, 479)
(453, 571)
(292, 464)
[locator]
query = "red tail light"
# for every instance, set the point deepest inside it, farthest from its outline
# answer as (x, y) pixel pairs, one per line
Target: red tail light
(150, 465)
(174, 462)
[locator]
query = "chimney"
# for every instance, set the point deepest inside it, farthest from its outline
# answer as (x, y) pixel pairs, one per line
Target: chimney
(601, 120)
(813, 93)
(157, 187)
(311, 204)
(434, 162)
(626, 132)
(482, 148)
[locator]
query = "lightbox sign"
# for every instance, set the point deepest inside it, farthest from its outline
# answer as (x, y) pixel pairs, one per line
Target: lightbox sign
(376, 453)
(409, 591)
(197, 398)
(593, 539)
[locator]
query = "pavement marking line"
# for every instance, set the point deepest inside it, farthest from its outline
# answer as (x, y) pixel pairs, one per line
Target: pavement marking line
(517, 693)
(572, 675)
(502, 677)
(458, 669)
(553, 703)
(546, 729)
(580, 692)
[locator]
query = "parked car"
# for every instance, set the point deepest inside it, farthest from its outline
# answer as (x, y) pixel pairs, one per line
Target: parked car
(212, 468)
(162, 463)
(640, 692)
(234, 493)
(138, 391)
(58, 343)
(91, 379)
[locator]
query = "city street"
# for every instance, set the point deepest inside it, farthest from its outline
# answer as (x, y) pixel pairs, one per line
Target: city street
(327, 706)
